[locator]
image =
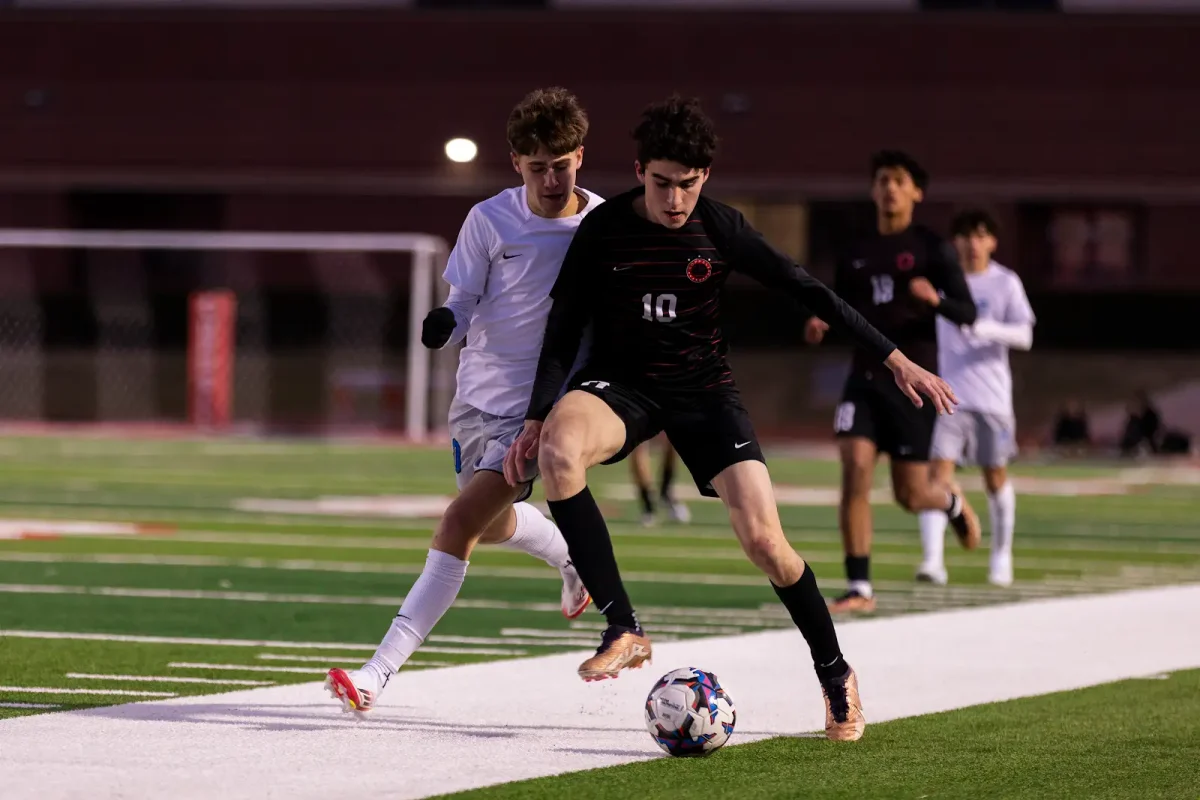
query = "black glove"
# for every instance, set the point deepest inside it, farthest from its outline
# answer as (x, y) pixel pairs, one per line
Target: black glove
(439, 324)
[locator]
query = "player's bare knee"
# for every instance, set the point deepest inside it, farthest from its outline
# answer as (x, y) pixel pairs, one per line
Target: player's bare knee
(856, 482)
(906, 497)
(456, 532)
(560, 452)
(994, 478)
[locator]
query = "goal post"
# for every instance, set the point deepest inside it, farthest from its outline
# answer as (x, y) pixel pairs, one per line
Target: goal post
(428, 253)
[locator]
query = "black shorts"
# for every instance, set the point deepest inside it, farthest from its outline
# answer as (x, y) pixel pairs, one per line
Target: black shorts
(874, 408)
(709, 431)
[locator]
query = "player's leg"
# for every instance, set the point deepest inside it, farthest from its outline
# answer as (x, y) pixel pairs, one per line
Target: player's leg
(910, 431)
(854, 426)
(595, 423)
(724, 457)
(639, 466)
(933, 531)
(953, 440)
(997, 444)
(485, 497)
(678, 511)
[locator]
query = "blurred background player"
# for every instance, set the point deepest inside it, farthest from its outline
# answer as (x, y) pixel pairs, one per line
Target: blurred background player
(639, 465)
(974, 360)
(900, 278)
(513, 241)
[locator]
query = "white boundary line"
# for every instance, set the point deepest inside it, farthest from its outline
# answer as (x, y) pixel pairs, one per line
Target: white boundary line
(84, 676)
(439, 731)
(114, 692)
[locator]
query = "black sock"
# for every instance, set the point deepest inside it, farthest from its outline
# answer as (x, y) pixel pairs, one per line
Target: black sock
(583, 527)
(668, 477)
(806, 605)
(647, 500)
(858, 568)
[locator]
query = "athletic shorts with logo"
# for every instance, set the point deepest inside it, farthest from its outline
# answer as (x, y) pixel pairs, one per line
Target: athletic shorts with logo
(480, 441)
(709, 430)
(975, 437)
(874, 408)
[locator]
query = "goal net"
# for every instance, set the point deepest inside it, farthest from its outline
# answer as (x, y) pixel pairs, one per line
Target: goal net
(256, 332)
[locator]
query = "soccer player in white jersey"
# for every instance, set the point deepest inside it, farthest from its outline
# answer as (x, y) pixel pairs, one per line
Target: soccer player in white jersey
(974, 360)
(501, 270)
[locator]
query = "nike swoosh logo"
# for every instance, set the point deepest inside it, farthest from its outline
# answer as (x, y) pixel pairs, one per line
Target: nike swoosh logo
(622, 267)
(740, 446)
(506, 256)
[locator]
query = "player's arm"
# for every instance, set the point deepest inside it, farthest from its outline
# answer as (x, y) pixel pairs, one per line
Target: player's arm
(947, 292)
(747, 251)
(1016, 329)
(569, 315)
(467, 273)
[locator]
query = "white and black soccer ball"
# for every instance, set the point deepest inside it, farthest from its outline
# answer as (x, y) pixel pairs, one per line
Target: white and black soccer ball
(689, 714)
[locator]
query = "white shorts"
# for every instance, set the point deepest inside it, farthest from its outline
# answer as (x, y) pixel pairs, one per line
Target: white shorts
(480, 441)
(973, 437)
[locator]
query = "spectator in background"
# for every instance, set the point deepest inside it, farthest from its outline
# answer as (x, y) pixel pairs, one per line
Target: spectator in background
(1142, 427)
(1071, 428)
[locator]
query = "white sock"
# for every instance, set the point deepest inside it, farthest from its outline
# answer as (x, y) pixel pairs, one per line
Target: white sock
(862, 588)
(933, 538)
(538, 536)
(431, 596)
(1002, 507)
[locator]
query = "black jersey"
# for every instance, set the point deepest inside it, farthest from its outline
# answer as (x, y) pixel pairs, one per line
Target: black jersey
(874, 275)
(652, 297)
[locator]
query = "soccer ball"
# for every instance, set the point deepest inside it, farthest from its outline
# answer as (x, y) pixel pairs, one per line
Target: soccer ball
(689, 714)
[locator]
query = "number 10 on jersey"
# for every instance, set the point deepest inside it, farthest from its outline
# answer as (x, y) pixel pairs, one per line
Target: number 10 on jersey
(660, 308)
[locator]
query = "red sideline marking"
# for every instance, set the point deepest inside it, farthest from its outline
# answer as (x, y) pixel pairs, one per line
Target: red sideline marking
(40, 536)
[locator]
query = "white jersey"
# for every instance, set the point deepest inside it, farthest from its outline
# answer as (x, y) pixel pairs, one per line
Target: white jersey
(504, 265)
(973, 362)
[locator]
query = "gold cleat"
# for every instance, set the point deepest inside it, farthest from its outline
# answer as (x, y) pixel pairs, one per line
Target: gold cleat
(852, 602)
(622, 648)
(844, 720)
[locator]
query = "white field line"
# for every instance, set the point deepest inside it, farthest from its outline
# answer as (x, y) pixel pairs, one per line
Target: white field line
(83, 676)
(246, 668)
(415, 661)
(820, 556)
(394, 602)
(1157, 574)
(43, 706)
(114, 692)
(192, 640)
(269, 668)
(450, 730)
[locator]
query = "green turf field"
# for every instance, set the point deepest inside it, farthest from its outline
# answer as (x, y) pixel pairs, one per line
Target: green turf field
(1133, 739)
(227, 595)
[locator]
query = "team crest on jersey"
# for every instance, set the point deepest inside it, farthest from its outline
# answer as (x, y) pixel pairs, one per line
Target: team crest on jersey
(699, 270)
(905, 262)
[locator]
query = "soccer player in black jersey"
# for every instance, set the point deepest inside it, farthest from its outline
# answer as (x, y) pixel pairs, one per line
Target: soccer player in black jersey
(645, 270)
(899, 278)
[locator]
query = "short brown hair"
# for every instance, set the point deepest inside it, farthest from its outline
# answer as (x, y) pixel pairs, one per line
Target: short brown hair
(550, 118)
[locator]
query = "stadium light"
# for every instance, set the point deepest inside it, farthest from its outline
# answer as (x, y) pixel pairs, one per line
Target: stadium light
(461, 151)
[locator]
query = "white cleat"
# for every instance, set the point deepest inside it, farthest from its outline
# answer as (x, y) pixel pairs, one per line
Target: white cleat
(932, 574)
(1001, 572)
(679, 512)
(575, 597)
(357, 690)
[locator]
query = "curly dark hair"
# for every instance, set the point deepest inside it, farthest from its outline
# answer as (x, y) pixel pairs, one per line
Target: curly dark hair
(885, 159)
(678, 130)
(971, 220)
(550, 118)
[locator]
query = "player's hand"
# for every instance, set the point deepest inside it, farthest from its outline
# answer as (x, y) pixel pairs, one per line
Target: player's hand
(523, 450)
(923, 290)
(437, 328)
(814, 330)
(915, 381)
